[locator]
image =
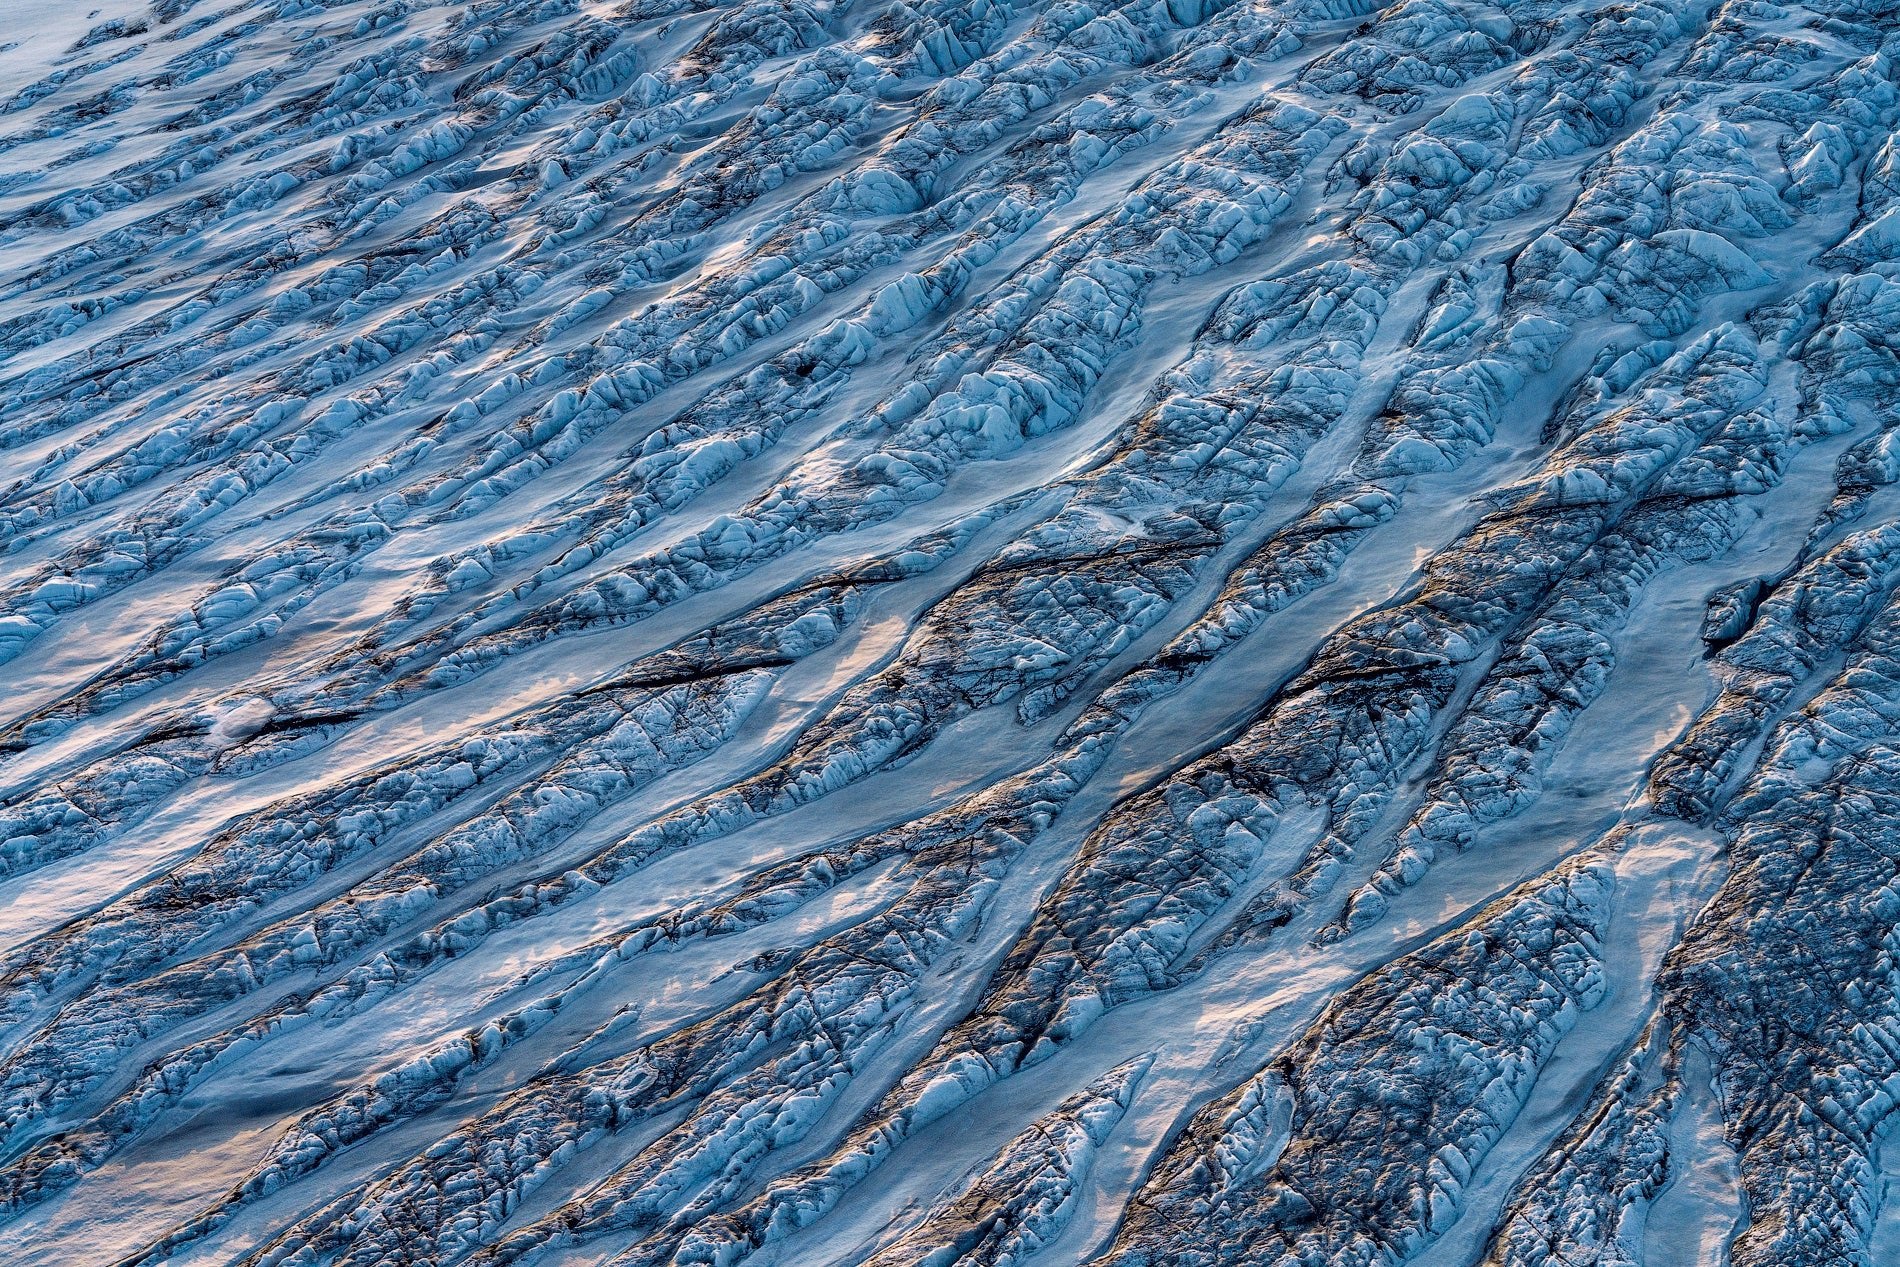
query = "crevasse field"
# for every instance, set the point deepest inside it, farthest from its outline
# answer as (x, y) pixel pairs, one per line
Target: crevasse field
(928, 633)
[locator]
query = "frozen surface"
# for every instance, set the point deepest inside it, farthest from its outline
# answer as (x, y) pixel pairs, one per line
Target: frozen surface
(889, 632)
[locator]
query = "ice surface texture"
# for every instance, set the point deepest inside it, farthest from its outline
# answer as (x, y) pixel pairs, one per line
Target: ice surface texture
(1227, 633)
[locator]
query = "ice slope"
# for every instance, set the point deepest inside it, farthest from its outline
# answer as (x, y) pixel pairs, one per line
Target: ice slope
(831, 632)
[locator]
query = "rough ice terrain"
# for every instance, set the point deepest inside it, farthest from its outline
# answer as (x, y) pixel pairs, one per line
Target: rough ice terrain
(934, 633)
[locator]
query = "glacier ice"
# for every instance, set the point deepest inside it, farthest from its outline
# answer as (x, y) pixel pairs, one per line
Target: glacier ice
(1133, 632)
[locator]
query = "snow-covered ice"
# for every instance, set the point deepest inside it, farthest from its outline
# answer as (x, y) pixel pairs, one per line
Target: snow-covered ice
(856, 633)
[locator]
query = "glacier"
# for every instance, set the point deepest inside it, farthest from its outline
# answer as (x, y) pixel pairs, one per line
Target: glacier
(941, 633)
